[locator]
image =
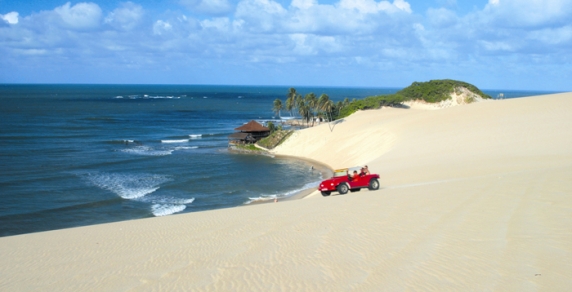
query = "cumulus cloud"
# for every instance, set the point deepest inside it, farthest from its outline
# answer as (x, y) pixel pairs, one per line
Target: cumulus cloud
(160, 27)
(528, 13)
(371, 6)
(377, 34)
(261, 15)
(211, 7)
(80, 16)
(441, 17)
(553, 36)
(126, 17)
(303, 4)
(10, 18)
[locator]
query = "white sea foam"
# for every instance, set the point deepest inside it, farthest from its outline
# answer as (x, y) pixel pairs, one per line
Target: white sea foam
(264, 198)
(166, 200)
(195, 136)
(175, 141)
(261, 199)
(145, 96)
(147, 151)
(127, 186)
(164, 210)
(186, 147)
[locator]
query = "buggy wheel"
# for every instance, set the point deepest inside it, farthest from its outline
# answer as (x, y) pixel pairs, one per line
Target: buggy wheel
(343, 189)
(373, 184)
(326, 193)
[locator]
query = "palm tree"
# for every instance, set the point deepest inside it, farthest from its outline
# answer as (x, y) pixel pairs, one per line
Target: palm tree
(338, 108)
(346, 102)
(299, 104)
(328, 107)
(312, 103)
(277, 106)
(291, 99)
(325, 104)
(304, 111)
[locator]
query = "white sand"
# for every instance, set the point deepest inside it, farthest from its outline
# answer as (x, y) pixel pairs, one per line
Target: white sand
(473, 198)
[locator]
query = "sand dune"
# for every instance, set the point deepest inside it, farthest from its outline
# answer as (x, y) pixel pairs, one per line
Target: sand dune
(474, 197)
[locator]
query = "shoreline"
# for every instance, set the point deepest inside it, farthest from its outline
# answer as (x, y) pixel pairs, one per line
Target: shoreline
(325, 170)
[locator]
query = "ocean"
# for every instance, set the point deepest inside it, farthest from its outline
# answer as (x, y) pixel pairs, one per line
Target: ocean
(76, 155)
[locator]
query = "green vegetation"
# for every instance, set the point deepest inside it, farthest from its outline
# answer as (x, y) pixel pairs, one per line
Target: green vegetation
(310, 106)
(370, 102)
(249, 147)
(277, 107)
(276, 138)
(436, 90)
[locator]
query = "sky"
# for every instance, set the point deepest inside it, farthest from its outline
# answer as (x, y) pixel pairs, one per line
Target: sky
(493, 44)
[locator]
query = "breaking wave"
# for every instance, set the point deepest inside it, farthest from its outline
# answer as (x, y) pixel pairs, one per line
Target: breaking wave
(127, 186)
(164, 206)
(147, 151)
(145, 96)
(175, 141)
(264, 198)
(186, 147)
(164, 210)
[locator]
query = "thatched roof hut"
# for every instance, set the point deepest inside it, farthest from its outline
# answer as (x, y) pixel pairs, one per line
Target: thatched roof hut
(252, 126)
(249, 133)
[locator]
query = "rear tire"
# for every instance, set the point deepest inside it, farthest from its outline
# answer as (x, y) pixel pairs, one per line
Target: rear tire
(326, 193)
(343, 189)
(373, 184)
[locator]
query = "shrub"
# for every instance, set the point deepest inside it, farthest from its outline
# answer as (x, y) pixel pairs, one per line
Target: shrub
(437, 90)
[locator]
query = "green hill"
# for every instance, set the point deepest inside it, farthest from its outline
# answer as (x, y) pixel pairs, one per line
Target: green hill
(437, 90)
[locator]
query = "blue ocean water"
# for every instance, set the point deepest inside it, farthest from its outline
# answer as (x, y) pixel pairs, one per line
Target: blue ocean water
(75, 155)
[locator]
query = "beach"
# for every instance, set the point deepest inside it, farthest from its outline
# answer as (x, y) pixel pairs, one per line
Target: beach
(473, 198)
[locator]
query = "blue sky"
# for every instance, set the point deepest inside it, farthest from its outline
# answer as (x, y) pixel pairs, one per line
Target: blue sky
(493, 44)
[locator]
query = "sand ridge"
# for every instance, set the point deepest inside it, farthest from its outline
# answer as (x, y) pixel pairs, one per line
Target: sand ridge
(474, 197)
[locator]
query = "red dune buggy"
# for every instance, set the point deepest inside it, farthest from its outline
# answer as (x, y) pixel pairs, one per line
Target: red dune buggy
(343, 181)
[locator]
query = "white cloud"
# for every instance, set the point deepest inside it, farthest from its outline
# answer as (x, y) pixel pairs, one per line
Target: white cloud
(261, 15)
(497, 45)
(441, 17)
(80, 16)
(220, 24)
(346, 36)
(371, 6)
(126, 17)
(254, 7)
(303, 4)
(528, 13)
(10, 18)
(160, 27)
(553, 36)
(212, 7)
(305, 44)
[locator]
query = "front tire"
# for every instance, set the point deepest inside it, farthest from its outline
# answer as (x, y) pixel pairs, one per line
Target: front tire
(326, 193)
(373, 184)
(343, 189)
